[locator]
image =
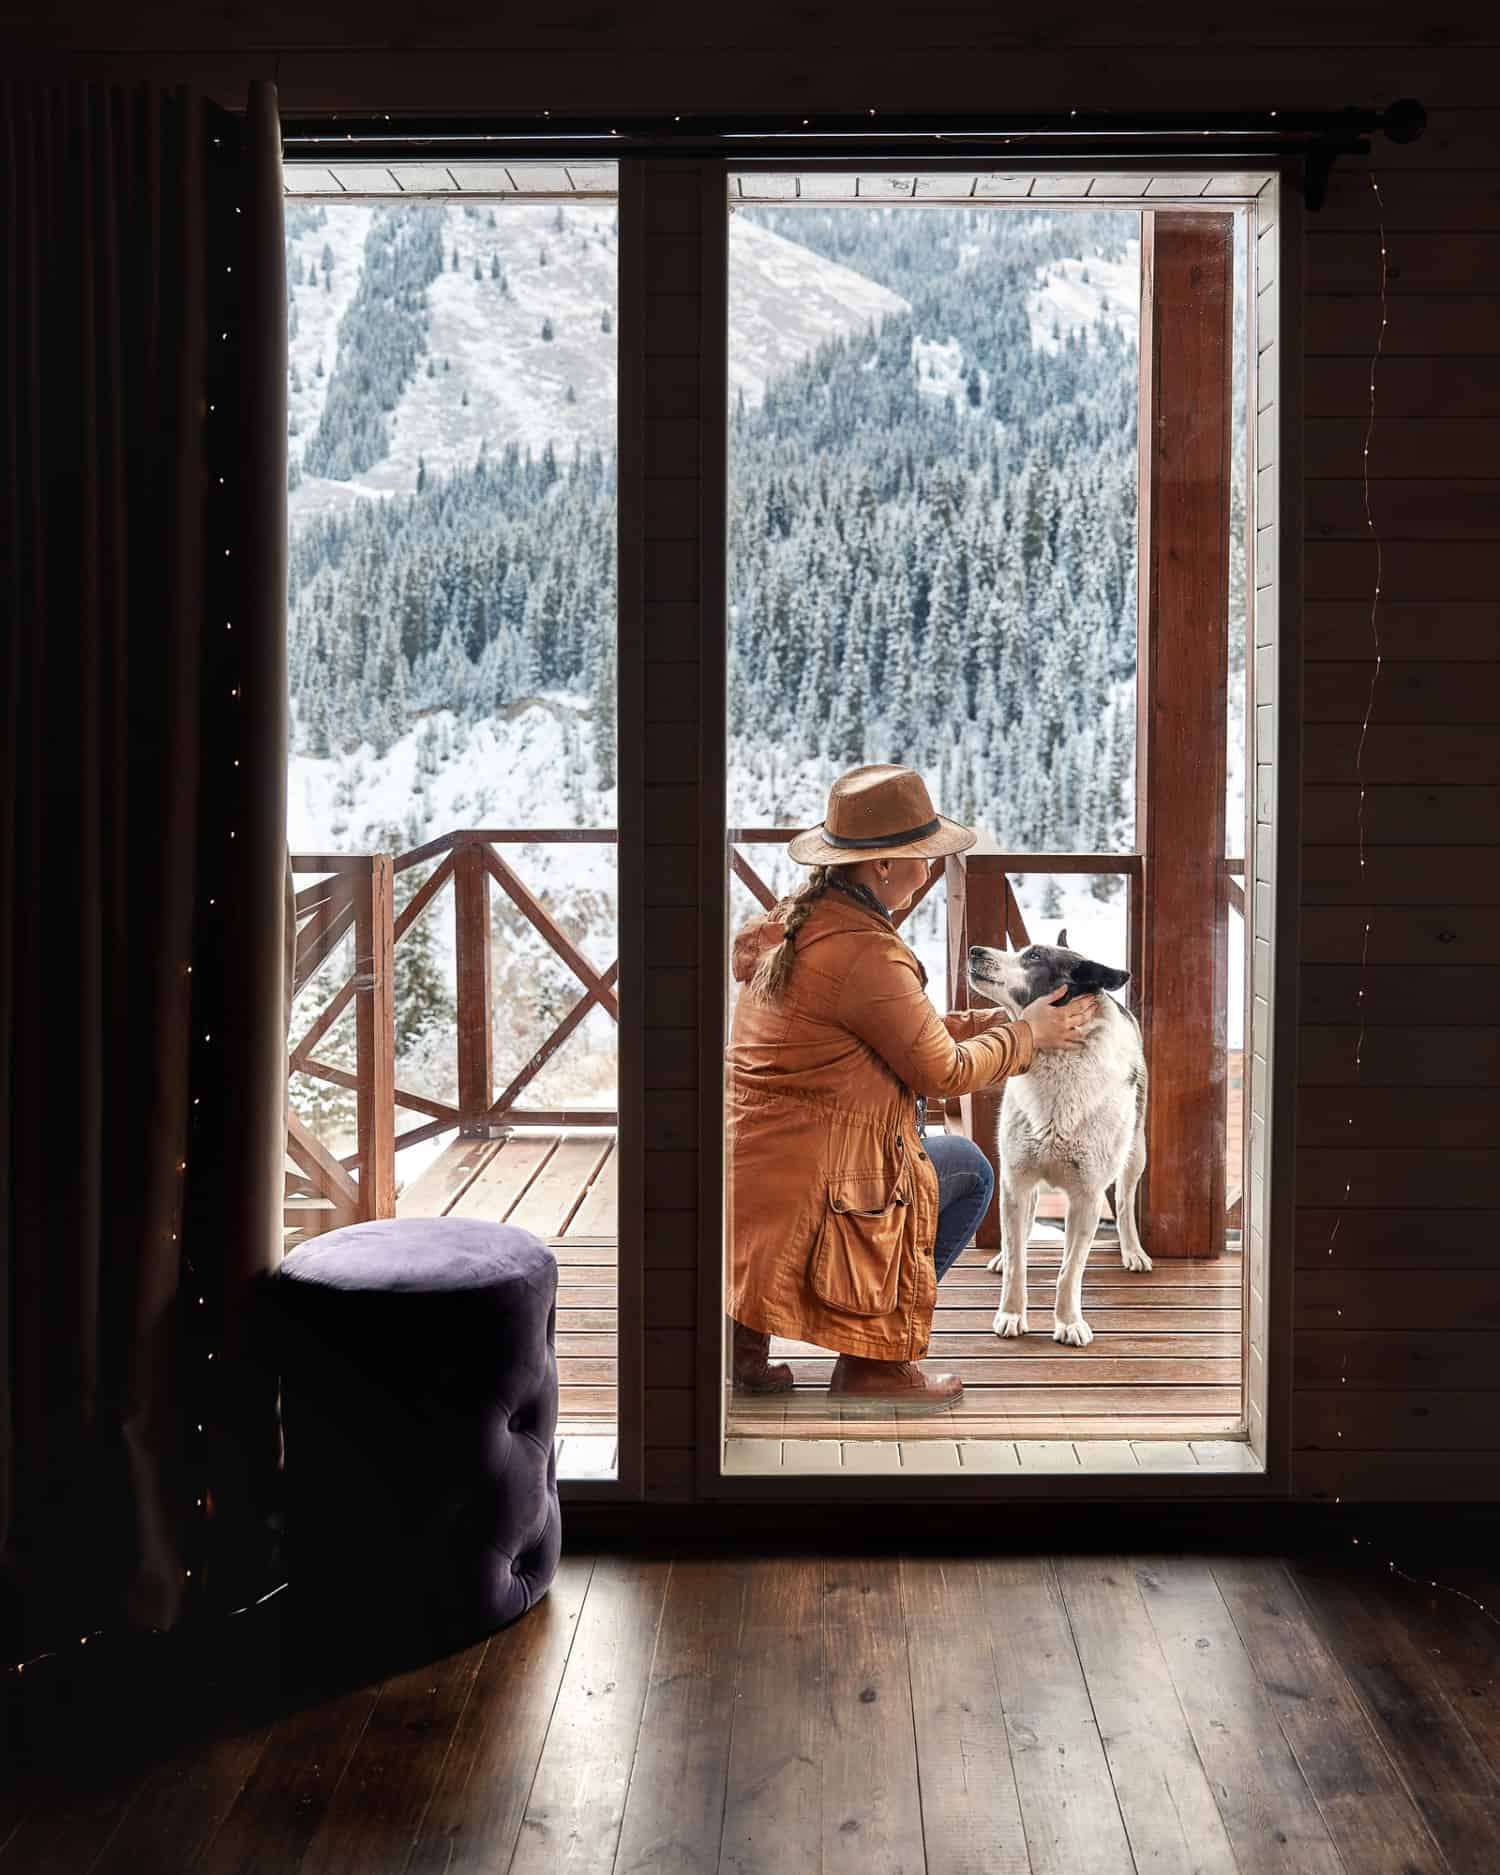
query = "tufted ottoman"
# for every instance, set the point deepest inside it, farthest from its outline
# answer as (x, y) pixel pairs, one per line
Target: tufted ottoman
(419, 1400)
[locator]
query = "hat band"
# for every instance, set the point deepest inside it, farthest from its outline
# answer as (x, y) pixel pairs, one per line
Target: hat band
(883, 839)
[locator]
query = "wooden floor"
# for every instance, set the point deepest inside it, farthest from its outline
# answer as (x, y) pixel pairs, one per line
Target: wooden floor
(1015, 1715)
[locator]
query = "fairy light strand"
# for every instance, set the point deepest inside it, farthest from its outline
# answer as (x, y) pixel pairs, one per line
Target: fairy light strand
(1361, 834)
(1372, 533)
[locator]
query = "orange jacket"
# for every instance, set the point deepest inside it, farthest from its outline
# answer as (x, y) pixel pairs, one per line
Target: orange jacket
(832, 1199)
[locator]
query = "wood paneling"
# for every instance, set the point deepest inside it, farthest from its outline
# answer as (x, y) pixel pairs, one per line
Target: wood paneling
(1403, 447)
(477, 66)
(1426, 386)
(1396, 1239)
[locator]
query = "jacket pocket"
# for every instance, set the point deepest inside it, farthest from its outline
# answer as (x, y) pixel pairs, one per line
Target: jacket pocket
(856, 1259)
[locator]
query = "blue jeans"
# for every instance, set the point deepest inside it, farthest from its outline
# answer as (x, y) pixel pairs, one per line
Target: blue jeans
(965, 1181)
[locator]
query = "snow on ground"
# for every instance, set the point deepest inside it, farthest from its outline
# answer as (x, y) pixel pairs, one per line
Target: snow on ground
(940, 368)
(512, 771)
(1073, 295)
(319, 310)
(785, 301)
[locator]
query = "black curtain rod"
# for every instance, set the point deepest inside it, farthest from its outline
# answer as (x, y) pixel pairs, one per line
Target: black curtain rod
(833, 136)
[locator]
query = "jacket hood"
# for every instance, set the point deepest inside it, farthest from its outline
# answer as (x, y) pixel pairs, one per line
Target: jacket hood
(834, 913)
(754, 940)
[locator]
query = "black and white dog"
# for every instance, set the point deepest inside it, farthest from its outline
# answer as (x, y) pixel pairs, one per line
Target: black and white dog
(1076, 1121)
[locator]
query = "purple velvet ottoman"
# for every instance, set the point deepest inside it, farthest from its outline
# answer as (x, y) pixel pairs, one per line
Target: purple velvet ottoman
(419, 1402)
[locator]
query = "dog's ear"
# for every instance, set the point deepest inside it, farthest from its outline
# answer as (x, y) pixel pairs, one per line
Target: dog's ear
(1091, 976)
(1062, 939)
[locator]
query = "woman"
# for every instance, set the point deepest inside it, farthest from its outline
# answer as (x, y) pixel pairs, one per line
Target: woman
(844, 1214)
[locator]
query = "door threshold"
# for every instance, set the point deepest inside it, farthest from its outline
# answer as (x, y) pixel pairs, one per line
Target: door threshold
(951, 1457)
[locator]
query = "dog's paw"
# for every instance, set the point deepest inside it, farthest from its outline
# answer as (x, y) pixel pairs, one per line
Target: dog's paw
(1134, 1259)
(997, 1263)
(1010, 1325)
(1073, 1334)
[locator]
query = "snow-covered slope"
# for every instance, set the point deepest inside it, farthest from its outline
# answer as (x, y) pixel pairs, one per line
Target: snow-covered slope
(1074, 295)
(785, 301)
(313, 337)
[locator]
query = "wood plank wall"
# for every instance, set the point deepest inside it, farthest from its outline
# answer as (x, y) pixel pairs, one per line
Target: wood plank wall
(1397, 1333)
(1396, 1340)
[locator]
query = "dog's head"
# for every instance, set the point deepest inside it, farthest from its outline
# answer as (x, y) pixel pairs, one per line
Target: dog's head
(1015, 978)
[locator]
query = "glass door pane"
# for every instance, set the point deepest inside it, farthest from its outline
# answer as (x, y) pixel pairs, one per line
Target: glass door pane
(452, 650)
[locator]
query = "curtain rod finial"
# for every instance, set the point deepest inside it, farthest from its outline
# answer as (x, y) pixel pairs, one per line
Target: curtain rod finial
(1405, 120)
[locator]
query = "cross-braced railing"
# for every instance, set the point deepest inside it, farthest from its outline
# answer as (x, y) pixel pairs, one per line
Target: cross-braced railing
(356, 894)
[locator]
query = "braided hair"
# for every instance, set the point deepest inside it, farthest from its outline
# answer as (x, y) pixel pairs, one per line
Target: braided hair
(775, 965)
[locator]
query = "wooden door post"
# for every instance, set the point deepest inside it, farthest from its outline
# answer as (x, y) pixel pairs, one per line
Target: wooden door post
(375, 1036)
(1187, 304)
(471, 932)
(978, 901)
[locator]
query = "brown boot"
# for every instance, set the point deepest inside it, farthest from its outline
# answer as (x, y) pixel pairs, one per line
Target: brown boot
(899, 1386)
(753, 1373)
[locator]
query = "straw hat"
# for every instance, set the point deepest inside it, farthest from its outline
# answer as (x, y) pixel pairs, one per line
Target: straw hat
(879, 812)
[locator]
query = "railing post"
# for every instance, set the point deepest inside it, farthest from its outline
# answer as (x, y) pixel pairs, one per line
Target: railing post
(375, 1036)
(985, 895)
(471, 932)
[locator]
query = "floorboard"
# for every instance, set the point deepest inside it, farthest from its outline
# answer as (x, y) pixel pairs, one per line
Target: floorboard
(573, 1815)
(383, 1795)
(971, 1812)
(773, 1797)
(1166, 1801)
(1272, 1818)
(1454, 1785)
(1068, 1804)
(871, 1793)
(480, 1794)
(674, 1809)
(1374, 1824)
(282, 1803)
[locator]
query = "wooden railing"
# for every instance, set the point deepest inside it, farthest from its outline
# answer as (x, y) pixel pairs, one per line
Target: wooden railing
(356, 894)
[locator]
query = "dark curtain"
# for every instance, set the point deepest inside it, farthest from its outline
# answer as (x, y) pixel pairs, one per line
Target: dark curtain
(142, 573)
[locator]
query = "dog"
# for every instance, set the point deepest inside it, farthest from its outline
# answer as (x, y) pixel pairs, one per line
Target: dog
(1076, 1120)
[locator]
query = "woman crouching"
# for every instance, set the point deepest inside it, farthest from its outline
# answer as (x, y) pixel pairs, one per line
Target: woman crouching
(844, 1214)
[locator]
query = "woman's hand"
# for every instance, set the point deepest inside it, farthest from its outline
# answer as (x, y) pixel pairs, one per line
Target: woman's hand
(1057, 1025)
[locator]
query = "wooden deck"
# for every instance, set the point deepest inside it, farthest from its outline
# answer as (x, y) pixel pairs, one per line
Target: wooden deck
(1164, 1365)
(562, 1185)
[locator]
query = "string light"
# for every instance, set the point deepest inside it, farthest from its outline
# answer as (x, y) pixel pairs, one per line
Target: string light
(1377, 646)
